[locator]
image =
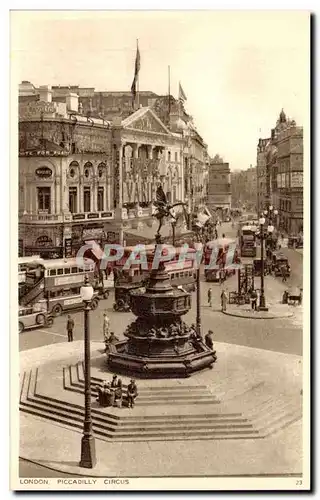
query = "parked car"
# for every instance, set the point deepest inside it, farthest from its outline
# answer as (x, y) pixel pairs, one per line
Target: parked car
(32, 317)
(279, 262)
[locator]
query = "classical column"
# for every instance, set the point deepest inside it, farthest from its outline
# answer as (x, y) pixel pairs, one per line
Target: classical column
(135, 150)
(149, 152)
(57, 194)
(53, 198)
(81, 193)
(94, 203)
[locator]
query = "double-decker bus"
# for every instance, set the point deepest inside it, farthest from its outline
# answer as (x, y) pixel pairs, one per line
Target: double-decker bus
(219, 256)
(182, 271)
(247, 240)
(54, 285)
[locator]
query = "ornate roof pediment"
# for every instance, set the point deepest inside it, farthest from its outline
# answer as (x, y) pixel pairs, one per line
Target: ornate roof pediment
(145, 119)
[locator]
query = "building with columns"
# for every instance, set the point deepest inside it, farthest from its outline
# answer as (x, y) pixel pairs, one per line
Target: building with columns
(85, 178)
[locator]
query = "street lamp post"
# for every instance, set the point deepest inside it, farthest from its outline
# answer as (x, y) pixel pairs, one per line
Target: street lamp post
(88, 449)
(263, 236)
(198, 317)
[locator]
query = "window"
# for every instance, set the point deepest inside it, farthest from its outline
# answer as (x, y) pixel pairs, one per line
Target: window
(100, 200)
(67, 270)
(73, 199)
(86, 199)
(53, 272)
(74, 270)
(44, 198)
(59, 271)
(169, 156)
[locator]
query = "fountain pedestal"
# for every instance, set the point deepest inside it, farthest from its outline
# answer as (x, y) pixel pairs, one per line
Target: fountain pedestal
(159, 343)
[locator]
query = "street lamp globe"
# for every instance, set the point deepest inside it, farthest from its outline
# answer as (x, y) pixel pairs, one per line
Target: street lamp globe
(265, 212)
(86, 291)
(262, 220)
(271, 208)
(276, 212)
(270, 229)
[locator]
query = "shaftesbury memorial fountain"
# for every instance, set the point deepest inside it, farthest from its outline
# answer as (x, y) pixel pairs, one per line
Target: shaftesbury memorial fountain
(159, 343)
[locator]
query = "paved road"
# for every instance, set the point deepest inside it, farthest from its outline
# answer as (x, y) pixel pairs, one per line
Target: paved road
(283, 335)
(29, 469)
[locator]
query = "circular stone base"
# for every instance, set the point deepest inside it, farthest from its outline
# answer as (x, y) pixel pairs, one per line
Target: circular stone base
(274, 312)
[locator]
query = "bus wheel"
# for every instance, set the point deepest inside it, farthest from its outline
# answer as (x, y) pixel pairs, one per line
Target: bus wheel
(57, 310)
(21, 327)
(40, 319)
(94, 304)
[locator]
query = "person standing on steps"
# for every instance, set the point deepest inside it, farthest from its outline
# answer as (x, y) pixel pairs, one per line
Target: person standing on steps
(132, 393)
(70, 327)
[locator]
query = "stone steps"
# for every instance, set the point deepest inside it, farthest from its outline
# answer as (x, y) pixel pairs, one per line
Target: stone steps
(148, 396)
(175, 427)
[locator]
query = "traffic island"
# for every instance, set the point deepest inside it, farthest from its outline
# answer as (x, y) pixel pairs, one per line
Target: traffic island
(275, 311)
(249, 405)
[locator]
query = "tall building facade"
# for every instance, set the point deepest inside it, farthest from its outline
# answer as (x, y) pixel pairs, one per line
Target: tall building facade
(219, 187)
(244, 189)
(85, 178)
(280, 174)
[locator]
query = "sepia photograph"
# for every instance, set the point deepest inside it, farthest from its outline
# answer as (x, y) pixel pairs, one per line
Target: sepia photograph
(160, 282)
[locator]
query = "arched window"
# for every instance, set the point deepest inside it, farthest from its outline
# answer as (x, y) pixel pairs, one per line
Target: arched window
(73, 169)
(87, 169)
(101, 170)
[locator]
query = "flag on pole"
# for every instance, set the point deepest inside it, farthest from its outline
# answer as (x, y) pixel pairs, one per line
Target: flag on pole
(136, 73)
(182, 95)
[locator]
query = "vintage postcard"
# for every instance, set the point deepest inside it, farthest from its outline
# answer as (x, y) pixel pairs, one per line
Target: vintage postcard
(160, 294)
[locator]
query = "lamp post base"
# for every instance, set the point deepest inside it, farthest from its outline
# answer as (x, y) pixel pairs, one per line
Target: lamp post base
(263, 308)
(88, 452)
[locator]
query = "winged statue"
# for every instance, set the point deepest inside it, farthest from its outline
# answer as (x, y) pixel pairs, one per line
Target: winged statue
(164, 207)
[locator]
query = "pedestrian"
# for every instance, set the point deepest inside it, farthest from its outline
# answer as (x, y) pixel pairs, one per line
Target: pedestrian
(253, 298)
(106, 327)
(208, 339)
(70, 327)
(210, 297)
(132, 393)
(113, 339)
(224, 299)
(118, 394)
(114, 382)
(284, 274)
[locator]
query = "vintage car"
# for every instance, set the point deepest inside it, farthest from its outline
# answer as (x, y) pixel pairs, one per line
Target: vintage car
(280, 264)
(295, 242)
(257, 267)
(122, 296)
(33, 317)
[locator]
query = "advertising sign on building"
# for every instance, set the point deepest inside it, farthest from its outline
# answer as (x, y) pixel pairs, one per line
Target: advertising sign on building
(44, 172)
(67, 247)
(296, 179)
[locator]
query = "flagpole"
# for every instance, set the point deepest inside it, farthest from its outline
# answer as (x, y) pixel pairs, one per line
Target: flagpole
(138, 76)
(169, 103)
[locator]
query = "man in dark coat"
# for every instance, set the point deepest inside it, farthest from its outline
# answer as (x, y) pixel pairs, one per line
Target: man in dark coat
(208, 340)
(70, 327)
(132, 393)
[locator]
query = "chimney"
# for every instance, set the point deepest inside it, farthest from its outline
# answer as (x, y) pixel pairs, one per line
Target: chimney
(45, 93)
(72, 101)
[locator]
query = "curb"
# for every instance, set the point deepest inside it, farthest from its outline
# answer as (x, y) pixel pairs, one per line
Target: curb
(240, 314)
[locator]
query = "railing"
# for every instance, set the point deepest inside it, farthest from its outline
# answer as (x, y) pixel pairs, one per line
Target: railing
(66, 217)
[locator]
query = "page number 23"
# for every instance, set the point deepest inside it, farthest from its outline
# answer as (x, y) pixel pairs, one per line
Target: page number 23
(299, 482)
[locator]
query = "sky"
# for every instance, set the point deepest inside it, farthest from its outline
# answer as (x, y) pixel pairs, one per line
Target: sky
(238, 69)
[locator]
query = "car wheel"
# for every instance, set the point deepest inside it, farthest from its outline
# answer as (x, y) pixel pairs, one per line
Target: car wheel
(40, 319)
(57, 310)
(94, 304)
(49, 322)
(21, 327)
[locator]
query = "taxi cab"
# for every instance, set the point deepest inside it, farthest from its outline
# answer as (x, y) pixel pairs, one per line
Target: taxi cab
(33, 317)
